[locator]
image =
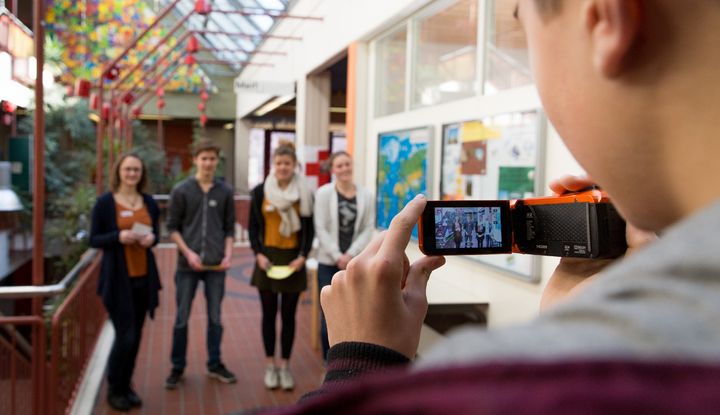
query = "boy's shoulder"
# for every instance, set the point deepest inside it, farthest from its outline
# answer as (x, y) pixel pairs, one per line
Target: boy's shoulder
(182, 185)
(224, 188)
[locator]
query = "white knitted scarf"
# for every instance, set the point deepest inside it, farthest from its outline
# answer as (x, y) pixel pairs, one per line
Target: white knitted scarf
(283, 200)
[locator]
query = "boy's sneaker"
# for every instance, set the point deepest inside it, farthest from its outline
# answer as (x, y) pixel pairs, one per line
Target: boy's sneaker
(118, 402)
(175, 377)
(220, 373)
(271, 377)
(286, 380)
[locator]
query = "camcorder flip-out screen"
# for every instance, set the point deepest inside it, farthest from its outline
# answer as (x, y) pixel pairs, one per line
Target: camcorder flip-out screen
(580, 225)
(466, 227)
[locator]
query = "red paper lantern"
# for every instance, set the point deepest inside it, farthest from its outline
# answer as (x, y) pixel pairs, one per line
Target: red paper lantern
(112, 73)
(8, 107)
(204, 96)
(105, 113)
(160, 93)
(94, 101)
(160, 103)
(82, 88)
(201, 7)
(190, 59)
(201, 106)
(203, 120)
(136, 112)
(192, 45)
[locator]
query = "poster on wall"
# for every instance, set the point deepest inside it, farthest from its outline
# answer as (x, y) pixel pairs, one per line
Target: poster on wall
(497, 157)
(402, 162)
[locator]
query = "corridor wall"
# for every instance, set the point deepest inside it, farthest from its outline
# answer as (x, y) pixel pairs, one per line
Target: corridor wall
(367, 23)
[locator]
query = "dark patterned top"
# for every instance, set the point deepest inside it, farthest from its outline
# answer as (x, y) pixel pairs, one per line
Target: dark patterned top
(347, 213)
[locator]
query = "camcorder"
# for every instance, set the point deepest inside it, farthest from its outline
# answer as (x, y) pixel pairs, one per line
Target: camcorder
(580, 225)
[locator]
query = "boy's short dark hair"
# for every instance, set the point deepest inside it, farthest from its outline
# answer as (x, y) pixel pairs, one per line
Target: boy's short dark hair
(205, 145)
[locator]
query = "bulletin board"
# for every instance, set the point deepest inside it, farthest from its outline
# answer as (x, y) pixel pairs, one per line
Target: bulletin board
(402, 171)
(498, 157)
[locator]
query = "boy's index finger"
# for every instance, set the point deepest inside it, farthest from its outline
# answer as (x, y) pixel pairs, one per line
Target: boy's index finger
(401, 227)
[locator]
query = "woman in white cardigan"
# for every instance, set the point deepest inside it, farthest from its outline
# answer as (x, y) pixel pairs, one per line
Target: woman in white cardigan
(344, 223)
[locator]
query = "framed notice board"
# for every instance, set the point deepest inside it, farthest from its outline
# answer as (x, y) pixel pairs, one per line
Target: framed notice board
(498, 157)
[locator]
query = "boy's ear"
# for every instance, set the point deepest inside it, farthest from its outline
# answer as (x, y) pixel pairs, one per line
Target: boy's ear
(614, 27)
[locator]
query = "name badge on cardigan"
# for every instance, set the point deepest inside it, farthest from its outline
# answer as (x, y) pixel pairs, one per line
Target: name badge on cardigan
(212, 203)
(126, 213)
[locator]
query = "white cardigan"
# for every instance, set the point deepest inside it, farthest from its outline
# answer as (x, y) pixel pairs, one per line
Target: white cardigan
(327, 223)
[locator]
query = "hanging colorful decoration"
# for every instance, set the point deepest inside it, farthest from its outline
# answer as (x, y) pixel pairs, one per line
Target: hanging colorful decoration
(202, 7)
(82, 88)
(93, 32)
(192, 45)
(202, 106)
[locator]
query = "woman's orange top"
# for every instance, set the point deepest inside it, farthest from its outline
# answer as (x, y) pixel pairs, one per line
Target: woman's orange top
(272, 228)
(135, 254)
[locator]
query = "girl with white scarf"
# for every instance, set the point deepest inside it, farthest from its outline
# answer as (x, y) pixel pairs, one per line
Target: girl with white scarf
(281, 234)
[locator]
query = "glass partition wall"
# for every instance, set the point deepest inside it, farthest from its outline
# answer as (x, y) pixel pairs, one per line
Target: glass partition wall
(450, 50)
(445, 54)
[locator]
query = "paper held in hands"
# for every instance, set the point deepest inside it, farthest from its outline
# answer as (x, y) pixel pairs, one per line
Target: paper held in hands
(213, 268)
(141, 229)
(279, 272)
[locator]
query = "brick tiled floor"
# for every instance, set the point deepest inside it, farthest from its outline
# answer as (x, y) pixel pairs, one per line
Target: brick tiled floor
(242, 351)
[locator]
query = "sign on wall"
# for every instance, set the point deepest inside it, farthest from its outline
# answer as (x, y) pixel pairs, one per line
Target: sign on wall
(264, 87)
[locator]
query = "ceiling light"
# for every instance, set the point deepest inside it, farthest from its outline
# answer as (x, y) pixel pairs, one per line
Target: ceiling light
(9, 200)
(273, 104)
(229, 126)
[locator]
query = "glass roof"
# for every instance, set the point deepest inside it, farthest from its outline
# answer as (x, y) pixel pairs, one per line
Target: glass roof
(246, 30)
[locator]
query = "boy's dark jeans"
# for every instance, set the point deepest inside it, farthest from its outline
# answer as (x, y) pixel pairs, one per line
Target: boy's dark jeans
(185, 285)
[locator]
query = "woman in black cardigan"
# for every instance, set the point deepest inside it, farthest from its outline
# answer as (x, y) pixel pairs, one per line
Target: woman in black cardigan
(281, 233)
(125, 226)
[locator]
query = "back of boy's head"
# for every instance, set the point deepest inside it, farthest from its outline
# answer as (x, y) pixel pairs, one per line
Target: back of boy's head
(205, 144)
(635, 102)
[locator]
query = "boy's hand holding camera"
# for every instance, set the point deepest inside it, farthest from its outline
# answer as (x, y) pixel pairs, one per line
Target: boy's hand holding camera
(572, 274)
(381, 298)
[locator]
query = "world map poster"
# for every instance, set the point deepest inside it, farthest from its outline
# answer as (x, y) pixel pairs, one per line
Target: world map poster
(401, 172)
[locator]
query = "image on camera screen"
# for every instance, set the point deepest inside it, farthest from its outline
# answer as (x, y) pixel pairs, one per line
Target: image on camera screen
(468, 227)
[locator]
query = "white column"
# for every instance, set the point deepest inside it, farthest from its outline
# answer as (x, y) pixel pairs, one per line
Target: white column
(242, 155)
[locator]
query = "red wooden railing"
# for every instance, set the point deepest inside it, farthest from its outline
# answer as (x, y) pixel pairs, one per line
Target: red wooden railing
(31, 380)
(17, 387)
(76, 325)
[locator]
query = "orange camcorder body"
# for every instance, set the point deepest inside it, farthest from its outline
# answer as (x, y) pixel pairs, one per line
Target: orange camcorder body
(583, 225)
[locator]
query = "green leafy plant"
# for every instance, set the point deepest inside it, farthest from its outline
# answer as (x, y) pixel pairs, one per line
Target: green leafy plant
(70, 161)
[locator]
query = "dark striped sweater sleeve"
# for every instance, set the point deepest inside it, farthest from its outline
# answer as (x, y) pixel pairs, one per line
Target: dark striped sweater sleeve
(350, 360)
